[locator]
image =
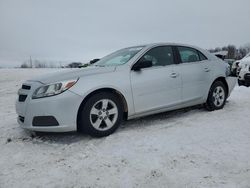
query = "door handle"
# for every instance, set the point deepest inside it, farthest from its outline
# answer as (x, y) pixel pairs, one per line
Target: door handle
(174, 75)
(206, 69)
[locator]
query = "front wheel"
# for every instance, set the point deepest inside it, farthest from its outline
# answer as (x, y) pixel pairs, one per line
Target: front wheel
(216, 97)
(101, 115)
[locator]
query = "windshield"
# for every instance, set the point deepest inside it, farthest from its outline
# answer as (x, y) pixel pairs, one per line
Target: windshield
(119, 57)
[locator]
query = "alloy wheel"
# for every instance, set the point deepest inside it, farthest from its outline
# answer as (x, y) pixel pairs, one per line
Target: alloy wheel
(218, 96)
(103, 114)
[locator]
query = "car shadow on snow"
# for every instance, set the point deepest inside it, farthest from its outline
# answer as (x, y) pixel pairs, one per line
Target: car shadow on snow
(73, 137)
(151, 120)
(59, 138)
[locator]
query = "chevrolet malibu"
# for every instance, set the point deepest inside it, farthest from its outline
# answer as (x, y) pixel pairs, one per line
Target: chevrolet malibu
(129, 83)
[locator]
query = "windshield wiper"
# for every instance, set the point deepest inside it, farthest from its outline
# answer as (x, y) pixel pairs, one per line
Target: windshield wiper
(99, 65)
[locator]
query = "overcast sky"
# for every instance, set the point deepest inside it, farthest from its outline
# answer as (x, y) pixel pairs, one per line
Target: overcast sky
(78, 30)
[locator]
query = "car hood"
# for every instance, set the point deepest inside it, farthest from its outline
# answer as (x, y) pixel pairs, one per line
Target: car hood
(244, 61)
(68, 74)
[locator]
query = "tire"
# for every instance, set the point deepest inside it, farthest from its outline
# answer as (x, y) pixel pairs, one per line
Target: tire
(240, 82)
(217, 96)
(101, 115)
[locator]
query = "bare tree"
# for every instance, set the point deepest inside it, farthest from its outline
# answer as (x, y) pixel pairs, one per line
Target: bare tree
(39, 64)
(231, 52)
(24, 65)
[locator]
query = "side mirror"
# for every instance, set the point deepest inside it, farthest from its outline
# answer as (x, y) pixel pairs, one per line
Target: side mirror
(93, 61)
(142, 64)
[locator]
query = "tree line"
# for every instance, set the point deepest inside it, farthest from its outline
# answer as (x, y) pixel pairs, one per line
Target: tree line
(39, 64)
(42, 64)
(233, 51)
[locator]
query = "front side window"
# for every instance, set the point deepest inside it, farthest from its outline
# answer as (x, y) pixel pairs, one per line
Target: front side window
(188, 54)
(119, 57)
(159, 56)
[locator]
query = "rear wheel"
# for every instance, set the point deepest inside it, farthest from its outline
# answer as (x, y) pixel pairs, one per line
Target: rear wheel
(101, 115)
(216, 97)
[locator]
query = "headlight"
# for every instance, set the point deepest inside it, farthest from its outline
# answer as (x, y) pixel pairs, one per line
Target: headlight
(53, 89)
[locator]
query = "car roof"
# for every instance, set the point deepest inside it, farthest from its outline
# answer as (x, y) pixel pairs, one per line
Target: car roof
(205, 52)
(168, 43)
(150, 45)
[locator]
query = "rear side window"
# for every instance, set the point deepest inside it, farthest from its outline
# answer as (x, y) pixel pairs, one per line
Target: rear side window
(190, 55)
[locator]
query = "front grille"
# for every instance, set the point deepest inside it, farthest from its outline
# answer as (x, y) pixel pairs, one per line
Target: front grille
(21, 118)
(26, 87)
(22, 98)
(238, 71)
(23, 93)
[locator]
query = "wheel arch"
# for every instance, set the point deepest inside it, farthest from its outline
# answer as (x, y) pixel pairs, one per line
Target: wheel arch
(223, 80)
(107, 90)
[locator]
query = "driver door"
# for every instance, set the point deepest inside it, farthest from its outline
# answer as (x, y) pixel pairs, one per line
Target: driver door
(159, 86)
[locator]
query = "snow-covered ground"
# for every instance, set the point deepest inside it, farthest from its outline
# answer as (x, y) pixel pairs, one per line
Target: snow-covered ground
(185, 148)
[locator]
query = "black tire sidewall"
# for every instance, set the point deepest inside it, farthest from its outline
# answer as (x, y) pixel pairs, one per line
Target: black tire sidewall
(240, 82)
(210, 104)
(85, 124)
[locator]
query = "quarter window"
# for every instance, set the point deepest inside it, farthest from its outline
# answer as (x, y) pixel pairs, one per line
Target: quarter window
(202, 57)
(160, 56)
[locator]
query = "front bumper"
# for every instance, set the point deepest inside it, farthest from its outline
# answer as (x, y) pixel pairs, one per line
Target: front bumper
(247, 77)
(245, 81)
(244, 77)
(63, 107)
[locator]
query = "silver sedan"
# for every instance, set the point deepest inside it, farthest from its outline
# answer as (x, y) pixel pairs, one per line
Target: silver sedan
(126, 84)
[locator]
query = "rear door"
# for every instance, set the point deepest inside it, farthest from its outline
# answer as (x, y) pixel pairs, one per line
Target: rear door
(196, 74)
